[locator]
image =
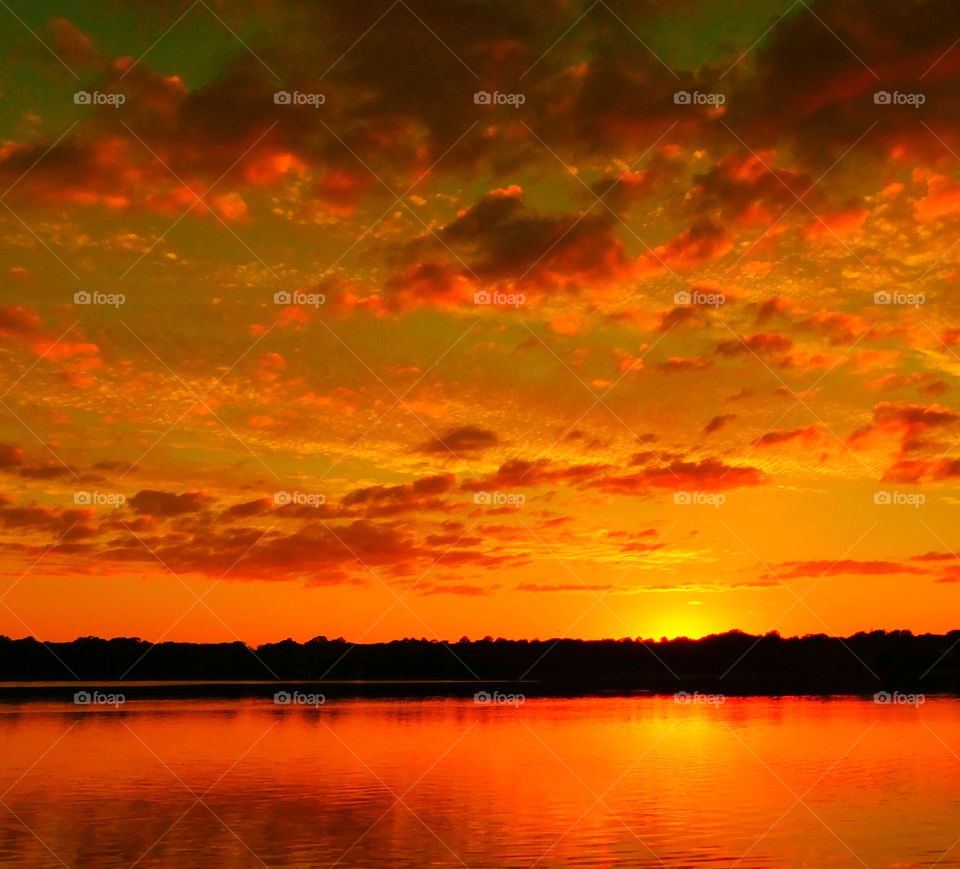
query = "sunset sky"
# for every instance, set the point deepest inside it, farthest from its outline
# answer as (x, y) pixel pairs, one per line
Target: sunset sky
(663, 339)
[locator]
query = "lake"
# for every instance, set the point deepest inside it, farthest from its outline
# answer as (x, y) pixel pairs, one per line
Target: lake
(440, 782)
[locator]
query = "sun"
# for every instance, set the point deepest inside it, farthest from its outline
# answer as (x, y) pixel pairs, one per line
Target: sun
(689, 619)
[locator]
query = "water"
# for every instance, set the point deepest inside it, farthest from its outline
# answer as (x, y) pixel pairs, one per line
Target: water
(587, 782)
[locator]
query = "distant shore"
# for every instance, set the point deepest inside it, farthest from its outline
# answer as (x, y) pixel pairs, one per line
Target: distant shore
(729, 664)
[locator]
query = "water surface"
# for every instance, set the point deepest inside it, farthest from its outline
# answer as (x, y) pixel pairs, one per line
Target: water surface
(586, 782)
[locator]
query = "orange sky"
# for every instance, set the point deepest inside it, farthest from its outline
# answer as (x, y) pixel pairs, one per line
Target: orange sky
(660, 340)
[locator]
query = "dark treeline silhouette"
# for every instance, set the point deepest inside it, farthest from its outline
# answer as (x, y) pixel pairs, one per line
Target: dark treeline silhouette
(731, 663)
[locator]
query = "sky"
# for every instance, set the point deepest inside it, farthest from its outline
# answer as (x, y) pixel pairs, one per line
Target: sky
(431, 319)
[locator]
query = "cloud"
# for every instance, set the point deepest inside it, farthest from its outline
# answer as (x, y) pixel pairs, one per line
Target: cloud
(11, 457)
(701, 243)
(808, 434)
(166, 504)
(718, 422)
(676, 364)
(796, 569)
(503, 240)
(934, 556)
(761, 343)
(911, 423)
(927, 383)
(423, 494)
(518, 472)
(259, 507)
(912, 416)
(66, 525)
(707, 475)
(465, 440)
(683, 315)
(744, 190)
(18, 321)
(461, 589)
(314, 552)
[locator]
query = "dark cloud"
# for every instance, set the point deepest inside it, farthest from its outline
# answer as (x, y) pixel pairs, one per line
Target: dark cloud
(18, 320)
(424, 494)
(518, 472)
(11, 457)
(465, 440)
(795, 569)
(165, 504)
(806, 433)
(760, 343)
(707, 475)
(247, 509)
(74, 524)
(718, 422)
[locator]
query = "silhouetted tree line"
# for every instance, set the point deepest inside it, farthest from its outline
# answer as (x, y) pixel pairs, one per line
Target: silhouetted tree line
(730, 663)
